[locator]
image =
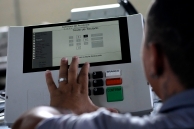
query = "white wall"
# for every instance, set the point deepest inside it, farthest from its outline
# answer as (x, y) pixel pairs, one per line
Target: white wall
(7, 13)
(36, 11)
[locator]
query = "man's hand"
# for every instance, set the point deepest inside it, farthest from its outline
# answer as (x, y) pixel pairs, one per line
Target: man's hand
(72, 93)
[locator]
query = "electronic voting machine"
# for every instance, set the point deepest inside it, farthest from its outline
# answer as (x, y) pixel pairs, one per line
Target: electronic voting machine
(111, 46)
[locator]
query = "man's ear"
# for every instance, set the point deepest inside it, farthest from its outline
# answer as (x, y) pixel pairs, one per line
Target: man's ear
(156, 59)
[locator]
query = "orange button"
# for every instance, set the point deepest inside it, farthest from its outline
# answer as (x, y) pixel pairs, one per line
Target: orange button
(113, 81)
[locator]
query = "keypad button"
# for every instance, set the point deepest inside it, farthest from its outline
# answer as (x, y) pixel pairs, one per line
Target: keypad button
(89, 92)
(98, 91)
(89, 84)
(98, 74)
(98, 83)
(114, 94)
(111, 73)
(113, 81)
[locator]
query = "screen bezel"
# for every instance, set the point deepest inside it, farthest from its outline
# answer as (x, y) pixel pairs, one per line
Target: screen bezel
(124, 38)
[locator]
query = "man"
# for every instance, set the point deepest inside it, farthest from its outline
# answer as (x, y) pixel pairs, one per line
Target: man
(168, 60)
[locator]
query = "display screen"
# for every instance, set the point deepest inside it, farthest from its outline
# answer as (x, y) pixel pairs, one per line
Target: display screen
(99, 42)
(91, 42)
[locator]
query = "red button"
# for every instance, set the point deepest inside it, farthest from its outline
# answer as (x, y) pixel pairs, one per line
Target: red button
(113, 81)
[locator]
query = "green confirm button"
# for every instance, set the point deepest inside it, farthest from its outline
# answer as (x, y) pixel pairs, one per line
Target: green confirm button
(114, 94)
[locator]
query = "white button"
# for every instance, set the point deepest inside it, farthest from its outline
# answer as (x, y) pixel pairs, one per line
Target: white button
(110, 73)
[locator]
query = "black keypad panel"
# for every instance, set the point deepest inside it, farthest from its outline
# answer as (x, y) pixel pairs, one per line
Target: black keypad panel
(98, 91)
(88, 76)
(89, 92)
(98, 83)
(98, 74)
(89, 84)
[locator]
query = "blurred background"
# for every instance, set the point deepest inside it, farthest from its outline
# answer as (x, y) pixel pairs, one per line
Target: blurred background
(31, 12)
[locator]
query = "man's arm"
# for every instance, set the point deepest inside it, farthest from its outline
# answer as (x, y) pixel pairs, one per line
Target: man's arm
(32, 118)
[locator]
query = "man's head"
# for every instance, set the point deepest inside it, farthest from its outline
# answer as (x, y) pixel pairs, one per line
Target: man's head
(168, 50)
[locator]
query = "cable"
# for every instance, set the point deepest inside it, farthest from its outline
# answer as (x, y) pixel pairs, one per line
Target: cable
(129, 8)
(68, 20)
(2, 95)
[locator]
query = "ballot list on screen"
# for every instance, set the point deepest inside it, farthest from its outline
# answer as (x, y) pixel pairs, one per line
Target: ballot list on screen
(91, 42)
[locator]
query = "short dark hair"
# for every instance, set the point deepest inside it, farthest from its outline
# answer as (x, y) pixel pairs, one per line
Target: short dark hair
(170, 23)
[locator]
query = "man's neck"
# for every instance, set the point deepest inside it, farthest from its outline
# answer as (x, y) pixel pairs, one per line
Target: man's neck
(170, 87)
